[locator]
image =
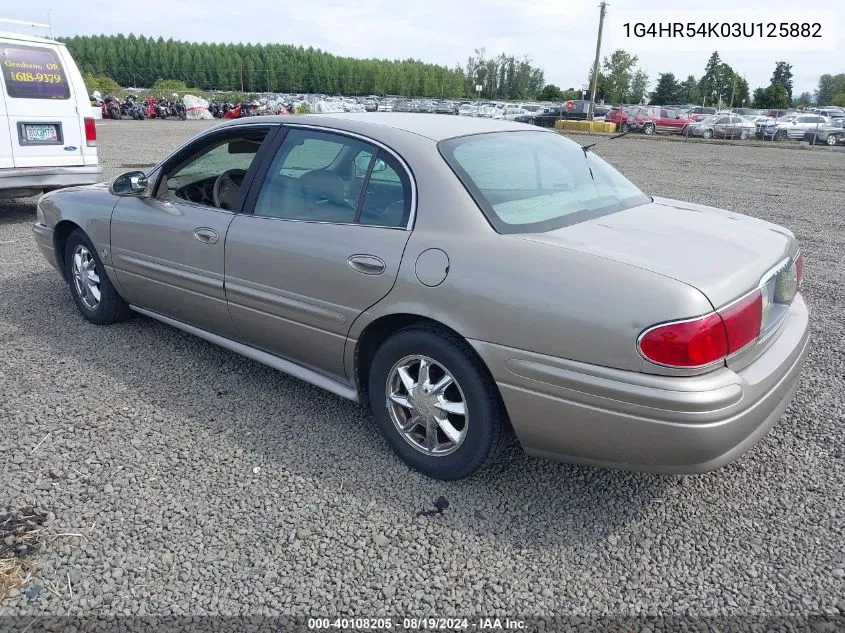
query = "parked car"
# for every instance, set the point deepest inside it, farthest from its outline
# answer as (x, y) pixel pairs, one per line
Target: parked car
(370, 105)
(699, 112)
(720, 126)
(510, 113)
(768, 126)
(48, 138)
(342, 249)
(832, 133)
(444, 107)
(404, 105)
(795, 126)
(667, 119)
(620, 116)
(467, 109)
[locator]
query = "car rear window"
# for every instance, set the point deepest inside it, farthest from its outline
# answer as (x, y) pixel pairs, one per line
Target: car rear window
(528, 182)
(33, 72)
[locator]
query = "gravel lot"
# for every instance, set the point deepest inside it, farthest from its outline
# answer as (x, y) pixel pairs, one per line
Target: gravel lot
(183, 479)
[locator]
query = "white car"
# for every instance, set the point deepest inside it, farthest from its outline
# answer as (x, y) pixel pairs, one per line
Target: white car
(510, 113)
(48, 138)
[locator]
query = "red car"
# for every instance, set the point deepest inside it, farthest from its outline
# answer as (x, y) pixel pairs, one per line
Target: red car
(624, 117)
(669, 120)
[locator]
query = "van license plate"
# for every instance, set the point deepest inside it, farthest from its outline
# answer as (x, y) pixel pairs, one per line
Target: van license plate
(41, 133)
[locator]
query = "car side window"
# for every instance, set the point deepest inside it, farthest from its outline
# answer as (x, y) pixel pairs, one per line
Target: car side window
(313, 178)
(387, 199)
(212, 176)
(320, 177)
(723, 121)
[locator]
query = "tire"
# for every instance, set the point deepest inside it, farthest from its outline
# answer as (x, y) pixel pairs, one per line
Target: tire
(780, 135)
(830, 140)
(708, 134)
(648, 129)
(114, 113)
(109, 307)
(183, 115)
(743, 135)
(624, 127)
(481, 428)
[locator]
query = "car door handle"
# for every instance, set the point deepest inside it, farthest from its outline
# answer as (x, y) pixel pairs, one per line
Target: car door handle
(366, 264)
(206, 236)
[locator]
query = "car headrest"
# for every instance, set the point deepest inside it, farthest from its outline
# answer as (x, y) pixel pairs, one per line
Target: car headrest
(323, 184)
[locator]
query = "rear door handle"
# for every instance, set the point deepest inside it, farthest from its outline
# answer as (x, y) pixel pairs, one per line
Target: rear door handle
(206, 235)
(366, 264)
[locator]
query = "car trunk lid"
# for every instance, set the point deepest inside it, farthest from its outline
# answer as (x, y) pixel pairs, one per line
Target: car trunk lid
(722, 254)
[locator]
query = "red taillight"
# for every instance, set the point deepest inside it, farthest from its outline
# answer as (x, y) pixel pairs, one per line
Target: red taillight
(799, 268)
(686, 343)
(743, 320)
(90, 132)
(706, 340)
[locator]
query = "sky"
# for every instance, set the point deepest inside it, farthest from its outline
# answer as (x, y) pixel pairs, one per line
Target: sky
(558, 35)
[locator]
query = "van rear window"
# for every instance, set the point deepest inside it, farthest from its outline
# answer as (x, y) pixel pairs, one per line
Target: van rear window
(32, 72)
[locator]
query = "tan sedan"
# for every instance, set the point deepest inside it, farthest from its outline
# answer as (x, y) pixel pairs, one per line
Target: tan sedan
(466, 276)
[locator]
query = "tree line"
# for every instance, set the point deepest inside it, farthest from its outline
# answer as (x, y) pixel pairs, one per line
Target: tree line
(141, 61)
(720, 84)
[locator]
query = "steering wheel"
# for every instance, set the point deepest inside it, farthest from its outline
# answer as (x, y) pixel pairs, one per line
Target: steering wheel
(225, 191)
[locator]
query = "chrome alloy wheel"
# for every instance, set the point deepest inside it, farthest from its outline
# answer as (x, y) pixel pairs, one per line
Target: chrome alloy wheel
(85, 277)
(427, 405)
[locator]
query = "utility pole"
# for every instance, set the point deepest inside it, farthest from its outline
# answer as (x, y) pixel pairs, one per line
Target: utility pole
(602, 11)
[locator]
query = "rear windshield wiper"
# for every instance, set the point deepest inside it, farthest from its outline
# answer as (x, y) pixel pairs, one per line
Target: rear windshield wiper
(586, 148)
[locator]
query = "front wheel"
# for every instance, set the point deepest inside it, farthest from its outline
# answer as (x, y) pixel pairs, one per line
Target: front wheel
(780, 135)
(707, 134)
(90, 287)
(624, 127)
(743, 135)
(831, 139)
(435, 403)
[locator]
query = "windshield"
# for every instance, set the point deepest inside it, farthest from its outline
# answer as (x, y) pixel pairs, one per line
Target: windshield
(527, 182)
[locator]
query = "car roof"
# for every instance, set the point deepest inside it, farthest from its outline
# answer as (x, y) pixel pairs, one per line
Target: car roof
(432, 126)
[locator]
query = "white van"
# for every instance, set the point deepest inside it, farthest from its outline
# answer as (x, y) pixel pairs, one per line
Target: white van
(47, 137)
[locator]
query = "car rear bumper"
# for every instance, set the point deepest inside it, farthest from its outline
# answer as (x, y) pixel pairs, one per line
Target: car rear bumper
(49, 177)
(595, 415)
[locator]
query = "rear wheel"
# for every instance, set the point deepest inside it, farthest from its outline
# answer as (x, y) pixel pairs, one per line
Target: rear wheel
(648, 128)
(114, 113)
(780, 135)
(624, 127)
(743, 135)
(90, 287)
(435, 403)
(831, 139)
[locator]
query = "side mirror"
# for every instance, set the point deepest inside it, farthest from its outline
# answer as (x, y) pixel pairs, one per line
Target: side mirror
(132, 183)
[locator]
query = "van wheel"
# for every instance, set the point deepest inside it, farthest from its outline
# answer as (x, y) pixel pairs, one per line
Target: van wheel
(435, 403)
(90, 287)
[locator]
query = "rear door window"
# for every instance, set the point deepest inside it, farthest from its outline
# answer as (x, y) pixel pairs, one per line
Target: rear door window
(33, 72)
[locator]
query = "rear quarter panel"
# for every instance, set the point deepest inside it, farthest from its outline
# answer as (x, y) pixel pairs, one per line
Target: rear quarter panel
(521, 294)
